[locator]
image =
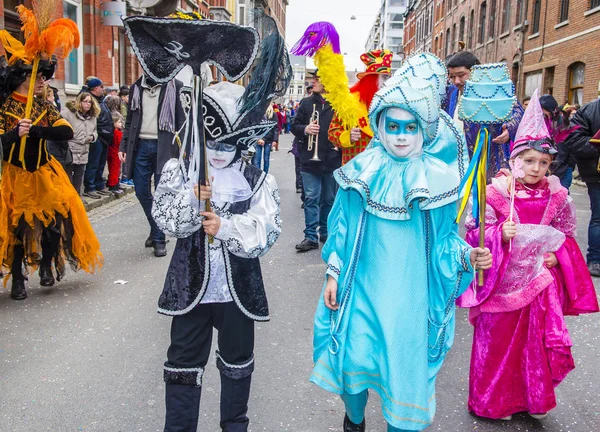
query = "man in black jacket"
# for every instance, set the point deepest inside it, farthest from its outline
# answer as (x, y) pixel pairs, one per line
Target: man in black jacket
(93, 182)
(587, 154)
(148, 143)
(317, 165)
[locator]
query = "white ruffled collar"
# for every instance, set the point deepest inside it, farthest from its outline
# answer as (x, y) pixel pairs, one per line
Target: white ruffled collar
(229, 184)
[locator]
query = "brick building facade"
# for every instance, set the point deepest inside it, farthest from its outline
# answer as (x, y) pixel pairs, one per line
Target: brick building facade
(105, 51)
(562, 49)
(548, 44)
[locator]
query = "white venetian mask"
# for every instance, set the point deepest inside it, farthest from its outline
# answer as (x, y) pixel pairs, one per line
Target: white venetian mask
(220, 155)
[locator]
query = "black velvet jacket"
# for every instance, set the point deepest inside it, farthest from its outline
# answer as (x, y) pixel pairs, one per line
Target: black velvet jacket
(189, 270)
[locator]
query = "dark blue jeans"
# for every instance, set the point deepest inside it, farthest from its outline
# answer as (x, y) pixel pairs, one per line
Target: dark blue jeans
(92, 179)
(262, 151)
(320, 192)
(593, 253)
(567, 179)
(144, 167)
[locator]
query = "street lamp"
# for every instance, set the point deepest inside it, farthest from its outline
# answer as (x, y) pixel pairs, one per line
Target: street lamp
(400, 53)
(353, 17)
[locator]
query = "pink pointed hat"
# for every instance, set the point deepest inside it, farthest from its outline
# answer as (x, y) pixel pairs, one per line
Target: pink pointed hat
(532, 132)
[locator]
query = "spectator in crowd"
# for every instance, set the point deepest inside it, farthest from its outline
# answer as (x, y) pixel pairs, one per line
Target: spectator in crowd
(287, 120)
(112, 91)
(297, 166)
(48, 94)
(113, 103)
(559, 127)
(277, 110)
(525, 102)
(309, 91)
(586, 153)
(94, 186)
(317, 175)
(571, 109)
(263, 146)
(124, 95)
(147, 144)
(82, 114)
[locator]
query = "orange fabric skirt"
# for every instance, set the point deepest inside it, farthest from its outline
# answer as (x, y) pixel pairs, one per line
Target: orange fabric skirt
(33, 201)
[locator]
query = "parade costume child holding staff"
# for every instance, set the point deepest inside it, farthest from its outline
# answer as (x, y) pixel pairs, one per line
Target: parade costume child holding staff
(395, 261)
(521, 345)
(223, 210)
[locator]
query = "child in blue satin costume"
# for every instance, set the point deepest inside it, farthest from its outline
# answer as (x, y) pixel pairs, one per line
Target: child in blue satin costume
(396, 263)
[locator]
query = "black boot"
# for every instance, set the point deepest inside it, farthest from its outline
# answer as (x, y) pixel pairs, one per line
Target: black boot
(50, 245)
(183, 407)
(351, 427)
(17, 291)
(46, 276)
(160, 248)
(234, 403)
(235, 392)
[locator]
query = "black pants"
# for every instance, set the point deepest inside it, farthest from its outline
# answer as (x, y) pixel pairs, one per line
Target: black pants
(299, 184)
(75, 173)
(191, 338)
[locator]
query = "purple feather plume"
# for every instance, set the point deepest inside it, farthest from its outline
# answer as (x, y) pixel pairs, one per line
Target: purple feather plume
(316, 36)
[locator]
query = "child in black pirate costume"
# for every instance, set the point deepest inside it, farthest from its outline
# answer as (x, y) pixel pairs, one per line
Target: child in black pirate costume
(42, 218)
(214, 279)
(220, 284)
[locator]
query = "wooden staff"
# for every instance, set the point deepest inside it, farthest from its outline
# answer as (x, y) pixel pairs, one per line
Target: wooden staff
(203, 177)
(29, 105)
(482, 180)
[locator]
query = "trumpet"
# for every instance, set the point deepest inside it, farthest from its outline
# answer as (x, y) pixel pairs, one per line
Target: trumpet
(313, 140)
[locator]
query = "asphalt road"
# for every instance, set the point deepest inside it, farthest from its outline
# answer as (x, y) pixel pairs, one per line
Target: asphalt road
(87, 354)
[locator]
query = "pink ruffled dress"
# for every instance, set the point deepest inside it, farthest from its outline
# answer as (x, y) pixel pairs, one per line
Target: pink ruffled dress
(521, 345)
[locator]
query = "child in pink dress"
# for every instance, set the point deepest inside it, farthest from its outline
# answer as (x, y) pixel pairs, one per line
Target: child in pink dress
(521, 345)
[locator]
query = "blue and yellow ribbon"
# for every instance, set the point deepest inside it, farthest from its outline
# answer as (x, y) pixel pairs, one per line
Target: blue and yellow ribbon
(474, 182)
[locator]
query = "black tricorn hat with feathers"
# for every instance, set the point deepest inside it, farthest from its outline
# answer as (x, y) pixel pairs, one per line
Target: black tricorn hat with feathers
(235, 114)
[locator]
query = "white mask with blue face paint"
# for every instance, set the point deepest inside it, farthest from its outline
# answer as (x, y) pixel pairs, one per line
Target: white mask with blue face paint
(400, 133)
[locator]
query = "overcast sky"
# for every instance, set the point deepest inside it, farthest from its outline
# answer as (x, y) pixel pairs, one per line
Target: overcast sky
(353, 34)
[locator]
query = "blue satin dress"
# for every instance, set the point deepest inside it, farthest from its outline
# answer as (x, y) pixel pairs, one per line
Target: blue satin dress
(400, 267)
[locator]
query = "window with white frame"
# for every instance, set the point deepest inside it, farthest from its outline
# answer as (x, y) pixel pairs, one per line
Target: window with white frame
(576, 80)
(74, 62)
(533, 81)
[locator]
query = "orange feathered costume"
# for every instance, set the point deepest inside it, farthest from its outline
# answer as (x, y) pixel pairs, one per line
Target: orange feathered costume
(37, 199)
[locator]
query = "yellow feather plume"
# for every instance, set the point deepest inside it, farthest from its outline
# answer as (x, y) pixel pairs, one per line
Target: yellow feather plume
(13, 46)
(332, 74)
